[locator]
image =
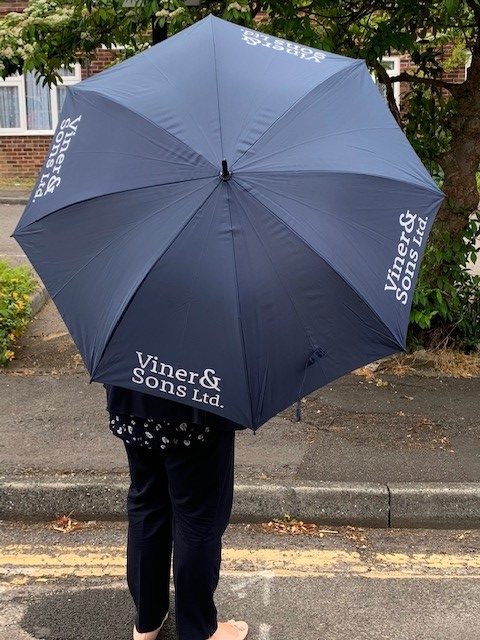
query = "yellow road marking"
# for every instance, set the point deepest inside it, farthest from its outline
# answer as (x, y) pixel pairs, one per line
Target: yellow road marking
(42, 562)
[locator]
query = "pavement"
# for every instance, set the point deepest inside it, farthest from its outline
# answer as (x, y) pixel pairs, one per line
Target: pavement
(372, 450)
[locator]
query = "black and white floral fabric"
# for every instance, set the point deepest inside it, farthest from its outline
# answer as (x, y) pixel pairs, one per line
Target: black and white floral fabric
(157, 434)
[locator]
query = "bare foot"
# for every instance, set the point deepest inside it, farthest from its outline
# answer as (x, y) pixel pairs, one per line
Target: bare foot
(231, 630)
(148, 635)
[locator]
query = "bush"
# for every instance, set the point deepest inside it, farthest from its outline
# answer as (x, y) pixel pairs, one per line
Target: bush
(16, 285)
(446, 303)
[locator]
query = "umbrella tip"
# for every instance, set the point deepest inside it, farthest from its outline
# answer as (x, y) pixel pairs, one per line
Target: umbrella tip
(225, 173)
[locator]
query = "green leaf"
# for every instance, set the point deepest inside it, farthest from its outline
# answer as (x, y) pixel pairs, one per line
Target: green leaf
(451, 6)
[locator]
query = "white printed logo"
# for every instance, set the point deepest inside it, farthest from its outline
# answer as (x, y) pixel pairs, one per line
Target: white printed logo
(50, 180)
(165, 378)
(255, 38)
(400, 275)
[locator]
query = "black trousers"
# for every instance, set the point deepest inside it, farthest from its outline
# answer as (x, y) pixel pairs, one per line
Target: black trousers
(181, 498)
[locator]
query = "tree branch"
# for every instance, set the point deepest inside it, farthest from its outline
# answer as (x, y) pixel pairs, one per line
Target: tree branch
(387, 81)
(431, 82)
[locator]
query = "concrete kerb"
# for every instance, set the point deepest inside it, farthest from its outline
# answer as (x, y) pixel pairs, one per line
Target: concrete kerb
(435, 505)
(399, 505)
(38, 299)
(13, 199)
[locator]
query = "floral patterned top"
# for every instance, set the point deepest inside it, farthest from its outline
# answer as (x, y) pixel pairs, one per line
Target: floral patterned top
(157, 433)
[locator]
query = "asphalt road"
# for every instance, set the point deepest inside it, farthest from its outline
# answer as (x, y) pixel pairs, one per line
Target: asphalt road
(343, 583)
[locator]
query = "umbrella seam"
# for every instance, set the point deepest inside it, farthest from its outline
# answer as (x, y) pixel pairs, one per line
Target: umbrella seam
(327, 212)
(302, 322)
(242, 336)
(102, 110)
(188, 113)
(131, 295)
(196, 272)
(216, 85)
(254, 106)
(144, 117)
(126, 233)
(437, 191)
(343, 71)
(304, 241)
(310, 140)
(107, 195)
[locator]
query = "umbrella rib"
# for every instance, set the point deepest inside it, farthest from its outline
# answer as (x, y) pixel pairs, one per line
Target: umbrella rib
(131, 294)
(242, 333)
(336, 171)
(310, 140)
(216, 85)
(107, 195)
(155, 124)
(326, 212)
(417, 177)
(345, 71)
(119, 237)
(188, 112)
(294, 306)
(254, 105)
(306, 243)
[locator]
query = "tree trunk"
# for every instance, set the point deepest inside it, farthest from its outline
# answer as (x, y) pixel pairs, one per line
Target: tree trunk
(461, 162)
(460, 165)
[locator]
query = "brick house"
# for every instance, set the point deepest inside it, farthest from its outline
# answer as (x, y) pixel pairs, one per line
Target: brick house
(29, 112)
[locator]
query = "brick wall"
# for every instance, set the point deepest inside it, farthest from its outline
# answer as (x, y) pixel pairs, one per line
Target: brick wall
(12, 5)
(103, 57)
(22, 156)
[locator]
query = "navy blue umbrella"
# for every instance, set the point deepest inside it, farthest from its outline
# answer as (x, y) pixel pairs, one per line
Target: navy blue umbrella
(230, 221)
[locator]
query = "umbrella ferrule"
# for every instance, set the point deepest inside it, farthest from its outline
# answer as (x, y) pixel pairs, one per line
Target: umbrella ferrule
(225, 173)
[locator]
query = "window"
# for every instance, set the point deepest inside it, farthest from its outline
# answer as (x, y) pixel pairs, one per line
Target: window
(392, 66)
(29, 108)
(10, 103)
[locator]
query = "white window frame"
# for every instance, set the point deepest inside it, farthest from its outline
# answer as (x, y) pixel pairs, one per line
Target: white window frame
(19, 82)
(392, 72)
(468, 62)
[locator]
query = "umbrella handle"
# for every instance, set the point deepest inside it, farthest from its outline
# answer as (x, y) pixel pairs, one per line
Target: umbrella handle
(226, 174)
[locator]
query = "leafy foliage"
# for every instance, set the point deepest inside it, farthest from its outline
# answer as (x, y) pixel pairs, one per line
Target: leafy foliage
(446, 302)
(441, 121)
(16, 285)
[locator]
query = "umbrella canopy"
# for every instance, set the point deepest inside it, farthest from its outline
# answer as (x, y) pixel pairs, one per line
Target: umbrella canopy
(230, 221)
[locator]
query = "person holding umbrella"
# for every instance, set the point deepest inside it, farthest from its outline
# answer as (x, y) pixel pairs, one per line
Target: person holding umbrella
(226, 222)
(181, 463)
